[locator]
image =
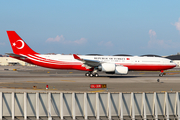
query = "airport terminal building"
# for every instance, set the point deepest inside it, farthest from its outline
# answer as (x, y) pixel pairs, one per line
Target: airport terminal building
(8, 61)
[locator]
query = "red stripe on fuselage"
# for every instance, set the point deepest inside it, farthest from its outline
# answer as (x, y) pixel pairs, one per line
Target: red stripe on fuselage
(145, 67)
(55, 64)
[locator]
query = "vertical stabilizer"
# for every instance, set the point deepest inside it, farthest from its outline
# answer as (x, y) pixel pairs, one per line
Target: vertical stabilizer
(18, 45)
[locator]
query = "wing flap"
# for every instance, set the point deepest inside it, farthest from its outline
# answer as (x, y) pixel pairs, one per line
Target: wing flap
(91, 63)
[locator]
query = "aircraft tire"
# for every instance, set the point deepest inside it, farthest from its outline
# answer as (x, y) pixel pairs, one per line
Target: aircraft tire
(91, 75)
(96, 75)
(87, 74)
(161, 74)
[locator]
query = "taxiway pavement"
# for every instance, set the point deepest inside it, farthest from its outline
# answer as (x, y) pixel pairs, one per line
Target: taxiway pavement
(32, 79)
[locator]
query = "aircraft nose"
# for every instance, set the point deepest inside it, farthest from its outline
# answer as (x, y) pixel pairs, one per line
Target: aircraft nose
(175, 65)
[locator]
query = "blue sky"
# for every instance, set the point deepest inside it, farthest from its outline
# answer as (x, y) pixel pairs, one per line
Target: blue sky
(105, 27)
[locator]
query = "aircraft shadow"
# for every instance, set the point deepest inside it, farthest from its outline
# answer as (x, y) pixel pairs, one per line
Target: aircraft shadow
(121, 76)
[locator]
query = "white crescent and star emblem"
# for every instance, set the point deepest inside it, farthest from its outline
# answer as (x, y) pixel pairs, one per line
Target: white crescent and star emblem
(22, 46)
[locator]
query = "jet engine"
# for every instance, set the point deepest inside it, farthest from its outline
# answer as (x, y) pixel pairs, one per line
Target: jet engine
(107, 67)
(121, 70)
(113, 69)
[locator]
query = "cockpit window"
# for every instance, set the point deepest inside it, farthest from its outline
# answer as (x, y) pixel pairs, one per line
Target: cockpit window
(171, 61)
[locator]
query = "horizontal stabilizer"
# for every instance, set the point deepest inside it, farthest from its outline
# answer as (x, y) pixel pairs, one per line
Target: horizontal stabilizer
(15, 55)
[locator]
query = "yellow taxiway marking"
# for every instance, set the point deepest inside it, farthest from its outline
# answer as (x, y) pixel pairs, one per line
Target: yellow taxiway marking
(98, 91)
(70, 72)
(5, 83)
(163, 91)
(172, 73)
(11, 83)
(35, 82)
(141, 73)
(68, 80)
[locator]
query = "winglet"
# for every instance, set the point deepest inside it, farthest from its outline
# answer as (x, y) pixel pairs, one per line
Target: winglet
(76, 57)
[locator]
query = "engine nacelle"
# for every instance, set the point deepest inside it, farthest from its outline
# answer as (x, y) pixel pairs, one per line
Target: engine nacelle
(107, 67)
(111, 68)
(121, 70)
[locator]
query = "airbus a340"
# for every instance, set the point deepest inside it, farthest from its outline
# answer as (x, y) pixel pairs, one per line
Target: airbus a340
(92, 64)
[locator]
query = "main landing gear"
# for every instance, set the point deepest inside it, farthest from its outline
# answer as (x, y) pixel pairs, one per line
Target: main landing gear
(161, 74)
(92, 74)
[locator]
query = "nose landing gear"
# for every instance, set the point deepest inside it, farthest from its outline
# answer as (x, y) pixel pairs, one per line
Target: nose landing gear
(161, 74)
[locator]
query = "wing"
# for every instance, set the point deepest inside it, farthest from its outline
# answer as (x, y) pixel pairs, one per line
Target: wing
(15, 55)
(87, 62)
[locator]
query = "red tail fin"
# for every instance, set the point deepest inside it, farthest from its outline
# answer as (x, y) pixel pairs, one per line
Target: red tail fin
(18, 45)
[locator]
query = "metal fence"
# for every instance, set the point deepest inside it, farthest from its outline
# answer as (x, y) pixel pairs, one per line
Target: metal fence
(120, 105)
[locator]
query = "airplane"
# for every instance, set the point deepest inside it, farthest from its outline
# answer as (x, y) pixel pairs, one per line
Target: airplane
(119, 65)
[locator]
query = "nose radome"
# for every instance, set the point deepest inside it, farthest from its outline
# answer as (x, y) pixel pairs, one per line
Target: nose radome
(174, 64)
